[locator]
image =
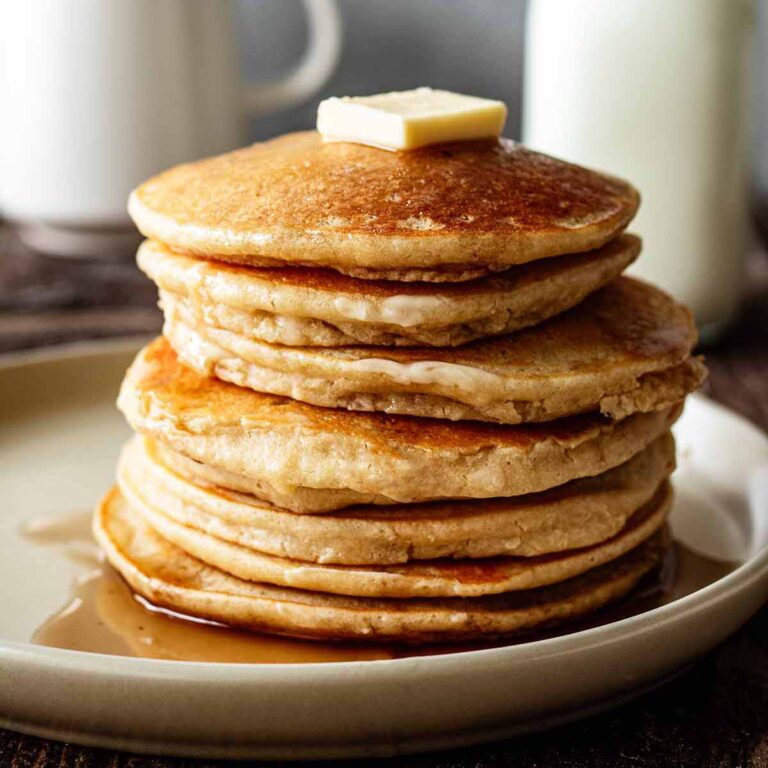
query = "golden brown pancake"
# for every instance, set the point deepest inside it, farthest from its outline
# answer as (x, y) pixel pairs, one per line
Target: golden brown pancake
(168, 577)
(304, 306)
(289, 444)
(435, 578)
(294, 498)
(447, 212)
(625, 349)
(575, 515)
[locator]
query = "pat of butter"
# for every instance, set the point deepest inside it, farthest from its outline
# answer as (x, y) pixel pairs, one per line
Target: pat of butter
(410, 119)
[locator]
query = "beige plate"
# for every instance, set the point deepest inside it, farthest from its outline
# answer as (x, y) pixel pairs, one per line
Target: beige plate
(59, 440)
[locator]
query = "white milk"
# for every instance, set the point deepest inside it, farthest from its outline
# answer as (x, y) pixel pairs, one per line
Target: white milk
(654, 91)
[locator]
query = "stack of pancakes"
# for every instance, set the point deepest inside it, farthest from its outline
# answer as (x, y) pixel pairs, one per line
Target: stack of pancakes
(402, 396)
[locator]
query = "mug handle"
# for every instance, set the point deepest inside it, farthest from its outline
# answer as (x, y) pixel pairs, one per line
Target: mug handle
(317, 63)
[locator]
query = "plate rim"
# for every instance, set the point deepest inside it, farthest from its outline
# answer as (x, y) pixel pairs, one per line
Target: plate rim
(741, 578)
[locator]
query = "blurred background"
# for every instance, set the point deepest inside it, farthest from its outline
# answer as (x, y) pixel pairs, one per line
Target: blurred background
(471, 47)
(95, 95)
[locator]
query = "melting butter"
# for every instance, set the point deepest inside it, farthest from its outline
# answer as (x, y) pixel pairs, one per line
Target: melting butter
(402, 310)
(484, 385)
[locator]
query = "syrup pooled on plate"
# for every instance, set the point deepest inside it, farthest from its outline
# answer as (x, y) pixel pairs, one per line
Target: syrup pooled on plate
(104, 616)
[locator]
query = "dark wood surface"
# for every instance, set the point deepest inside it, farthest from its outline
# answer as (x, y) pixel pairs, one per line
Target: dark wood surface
(714, 714)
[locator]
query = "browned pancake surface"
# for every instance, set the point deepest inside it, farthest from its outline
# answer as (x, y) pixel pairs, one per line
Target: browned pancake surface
(296, 199)
(174, 391)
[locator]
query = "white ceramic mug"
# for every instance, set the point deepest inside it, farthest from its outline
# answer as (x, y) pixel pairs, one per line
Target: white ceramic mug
(97, 95)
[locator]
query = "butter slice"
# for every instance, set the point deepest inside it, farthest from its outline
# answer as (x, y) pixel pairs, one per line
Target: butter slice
(410, 119)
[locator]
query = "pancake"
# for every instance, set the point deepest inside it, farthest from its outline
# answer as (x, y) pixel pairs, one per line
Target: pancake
(448, 212)
(170, 578)
(301, 306)
(293, 498)
(579, 514)
(289, 444)
(435, 578)
(625, 349)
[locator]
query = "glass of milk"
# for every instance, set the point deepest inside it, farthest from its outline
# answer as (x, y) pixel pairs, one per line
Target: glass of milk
(655, 91)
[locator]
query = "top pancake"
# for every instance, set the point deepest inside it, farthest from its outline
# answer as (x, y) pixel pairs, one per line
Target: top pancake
(445, 212)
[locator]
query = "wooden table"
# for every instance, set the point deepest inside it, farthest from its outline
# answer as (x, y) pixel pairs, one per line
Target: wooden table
(715, 714)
